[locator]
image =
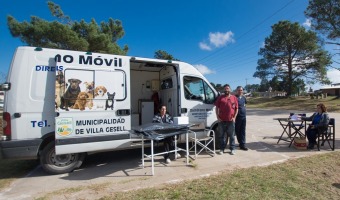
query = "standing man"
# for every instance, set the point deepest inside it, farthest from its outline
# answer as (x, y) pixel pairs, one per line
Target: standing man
(240, 124)
(226, 112)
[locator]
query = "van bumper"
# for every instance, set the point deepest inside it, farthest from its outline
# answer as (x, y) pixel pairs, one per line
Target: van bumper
(20, 149)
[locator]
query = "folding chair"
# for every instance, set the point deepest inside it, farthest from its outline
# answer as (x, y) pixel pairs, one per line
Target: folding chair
(209, 137)
(327, 134)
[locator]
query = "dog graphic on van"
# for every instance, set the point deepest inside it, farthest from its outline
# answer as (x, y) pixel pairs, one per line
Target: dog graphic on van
(81, 101)
(110, 100)
(71, 94)
(89, 89)
(59, 89)
(100, 97)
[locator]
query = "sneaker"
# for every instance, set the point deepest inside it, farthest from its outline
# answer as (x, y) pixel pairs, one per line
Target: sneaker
(167, 161)
(178, 156)
(311, 146)
(233, 152)
(220, 152)
(244, 148)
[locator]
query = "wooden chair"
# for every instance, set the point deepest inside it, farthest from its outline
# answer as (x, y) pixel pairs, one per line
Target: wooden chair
(327, 134)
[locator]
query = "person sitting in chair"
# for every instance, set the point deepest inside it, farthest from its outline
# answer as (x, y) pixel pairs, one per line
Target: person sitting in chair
(320, 119)
(163, 117)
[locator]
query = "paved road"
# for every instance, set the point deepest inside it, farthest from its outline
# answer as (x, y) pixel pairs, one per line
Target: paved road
(121, 171)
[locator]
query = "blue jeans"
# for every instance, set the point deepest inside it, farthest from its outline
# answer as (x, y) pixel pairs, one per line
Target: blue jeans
(240, 130)
(226, 129)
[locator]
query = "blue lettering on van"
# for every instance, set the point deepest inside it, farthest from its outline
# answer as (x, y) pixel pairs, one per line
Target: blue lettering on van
(48, 68)
(40, 124)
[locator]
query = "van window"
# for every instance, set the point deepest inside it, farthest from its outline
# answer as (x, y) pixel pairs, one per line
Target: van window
(110, 81)
(40, 88)
(166, 83)
(197, 89)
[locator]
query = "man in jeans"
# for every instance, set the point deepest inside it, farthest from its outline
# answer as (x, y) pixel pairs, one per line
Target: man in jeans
(226, 112)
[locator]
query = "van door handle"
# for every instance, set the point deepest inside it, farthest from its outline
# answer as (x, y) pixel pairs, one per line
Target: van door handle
(17, 115)
(123, 112)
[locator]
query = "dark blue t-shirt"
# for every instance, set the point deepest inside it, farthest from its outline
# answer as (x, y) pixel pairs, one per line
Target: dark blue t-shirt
(242, 101)
(316, 119)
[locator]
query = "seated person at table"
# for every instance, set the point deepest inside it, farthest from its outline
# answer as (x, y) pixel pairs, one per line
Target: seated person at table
(320, 119)
(163, 117)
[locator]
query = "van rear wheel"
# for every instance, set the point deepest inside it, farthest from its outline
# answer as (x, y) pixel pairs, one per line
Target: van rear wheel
(59, 164)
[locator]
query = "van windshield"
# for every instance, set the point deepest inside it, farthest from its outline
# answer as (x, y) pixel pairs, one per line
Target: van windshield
(197, 89)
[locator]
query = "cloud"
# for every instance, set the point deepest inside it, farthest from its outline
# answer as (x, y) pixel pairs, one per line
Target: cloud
(221, 39)
(204, 69)
(334, 75)
(204, 46)
(307, 23)
(217, 40)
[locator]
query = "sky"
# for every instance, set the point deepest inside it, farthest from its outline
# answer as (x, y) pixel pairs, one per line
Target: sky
(221, 38)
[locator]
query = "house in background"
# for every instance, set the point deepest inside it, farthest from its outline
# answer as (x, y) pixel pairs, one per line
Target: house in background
(334, 90)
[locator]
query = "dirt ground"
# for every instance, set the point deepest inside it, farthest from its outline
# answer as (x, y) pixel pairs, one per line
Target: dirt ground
(105, 173)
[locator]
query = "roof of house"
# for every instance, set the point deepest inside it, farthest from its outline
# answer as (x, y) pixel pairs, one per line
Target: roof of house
(330, 88)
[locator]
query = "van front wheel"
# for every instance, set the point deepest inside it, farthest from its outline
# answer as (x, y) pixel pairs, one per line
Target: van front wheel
(59, 164)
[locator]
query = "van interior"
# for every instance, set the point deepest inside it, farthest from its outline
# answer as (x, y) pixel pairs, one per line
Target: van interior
(152, 84)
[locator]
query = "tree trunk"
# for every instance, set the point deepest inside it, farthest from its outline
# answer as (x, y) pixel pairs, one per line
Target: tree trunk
(290, 74)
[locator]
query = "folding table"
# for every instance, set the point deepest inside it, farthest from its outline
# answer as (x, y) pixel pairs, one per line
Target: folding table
(297, 125)
(287, 123)
(157, 132)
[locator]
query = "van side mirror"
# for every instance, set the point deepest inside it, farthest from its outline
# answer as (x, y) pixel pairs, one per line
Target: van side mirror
(6, 86)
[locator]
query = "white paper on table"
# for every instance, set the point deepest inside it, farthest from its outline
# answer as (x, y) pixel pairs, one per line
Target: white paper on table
(295, 117)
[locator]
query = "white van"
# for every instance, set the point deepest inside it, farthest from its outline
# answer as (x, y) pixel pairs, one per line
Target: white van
(61, 104)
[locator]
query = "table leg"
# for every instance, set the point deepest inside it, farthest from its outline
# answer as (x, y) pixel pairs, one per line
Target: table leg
(284, 130)
(187, 147)
(290, 144)
(195, 146)
(152, 161)
(143, 151)
(175, 147)
(297, 130)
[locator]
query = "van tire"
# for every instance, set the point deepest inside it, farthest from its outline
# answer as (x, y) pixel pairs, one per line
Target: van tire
(59, 164)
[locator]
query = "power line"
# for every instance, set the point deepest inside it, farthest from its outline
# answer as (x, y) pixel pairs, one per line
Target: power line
(267, 18)
(240, 48)
(243, 51)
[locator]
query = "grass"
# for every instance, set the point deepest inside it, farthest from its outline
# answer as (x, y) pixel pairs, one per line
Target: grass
(294, 103)
(315, 177)
(13, 169)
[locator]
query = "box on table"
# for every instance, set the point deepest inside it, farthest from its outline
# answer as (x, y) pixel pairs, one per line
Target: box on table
(181, 120)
